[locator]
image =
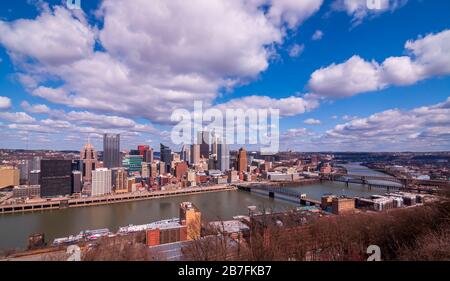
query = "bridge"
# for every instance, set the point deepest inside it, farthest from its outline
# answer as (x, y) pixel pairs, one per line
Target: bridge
(272, 190)
(388, 182)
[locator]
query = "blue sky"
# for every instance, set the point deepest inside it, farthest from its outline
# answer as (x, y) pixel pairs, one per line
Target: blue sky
(117, 66)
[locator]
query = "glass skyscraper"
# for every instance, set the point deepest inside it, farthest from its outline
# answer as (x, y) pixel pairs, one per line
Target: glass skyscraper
(111, 151)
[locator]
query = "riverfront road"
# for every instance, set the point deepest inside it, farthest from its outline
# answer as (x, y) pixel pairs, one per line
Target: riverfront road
(63, 203)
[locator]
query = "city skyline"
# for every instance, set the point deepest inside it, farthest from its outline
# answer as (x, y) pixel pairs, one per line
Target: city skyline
(345, 77)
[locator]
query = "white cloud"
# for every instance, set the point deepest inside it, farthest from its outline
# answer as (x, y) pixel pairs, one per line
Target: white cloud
(360, 9)
(347, 79)
(52, 38)
(312, 121)
(296, 50)
(149, 60)
(5, 103)
(289, 106)
(317, 35)
(35, 108)
(427, 57)
(293, 12)
(17, 117)
(418, 129)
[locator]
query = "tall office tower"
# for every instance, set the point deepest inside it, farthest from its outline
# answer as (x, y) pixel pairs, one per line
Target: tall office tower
(35, 177)
(119, 177)
(185, 153)
(145, 170)
(101, 182)
(242, 160)
(133, 163)
(36, 163)
(153, 170)
(203, 139)
(89, 157)
(24, 168)
(215, 145)
(111, 151)
(146, 152)
(195, 154)
(76, 182)
(56, 178)
(223, 157)
(162, 168)
(166, 156)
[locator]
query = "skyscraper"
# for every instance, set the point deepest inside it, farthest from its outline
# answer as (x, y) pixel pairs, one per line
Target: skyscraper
(89, 157)
(147, 152)
(242, 160)
(111, 151)
(195, 154)
(166, 156)
(186, 153)
(56, 178)
(203, 139)
(223, 157)
(101, 182)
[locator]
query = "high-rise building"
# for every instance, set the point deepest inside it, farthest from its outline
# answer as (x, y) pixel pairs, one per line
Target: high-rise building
(133, 163)
(101, 182)
(166, 156)
(145, 170)
(223, 157)
(119, 177)
(195, 154)
(9, 177)
(186, 153)
(242, 160)
(76, 182)
(24, 168)
(153, 170)
(147, 152)
(111, 151)
(56, 178)
(89, 157)
(203, 139)
(35, 177)
(36, 163)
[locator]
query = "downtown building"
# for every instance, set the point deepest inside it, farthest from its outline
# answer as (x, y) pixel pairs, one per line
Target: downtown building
(111, 151)
(56, 178)
(101, 182)
(166, 157)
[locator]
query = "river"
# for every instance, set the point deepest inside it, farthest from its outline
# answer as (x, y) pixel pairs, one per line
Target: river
(15, 228)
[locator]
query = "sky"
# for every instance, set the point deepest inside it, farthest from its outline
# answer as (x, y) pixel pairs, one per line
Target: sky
(345, 75)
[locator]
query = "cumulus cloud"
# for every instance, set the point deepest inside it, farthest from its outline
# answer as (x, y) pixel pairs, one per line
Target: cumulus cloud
(428, 56)
(418, 129)
(296, 50)
(35, 108)
(5, 103)
(52, 38)
(289, 106)
(149, 63)
(317, 35)
(360, 9)
(17, 117)
(312, 121)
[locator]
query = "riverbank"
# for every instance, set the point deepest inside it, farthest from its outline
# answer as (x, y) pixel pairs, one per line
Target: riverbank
(65, 203)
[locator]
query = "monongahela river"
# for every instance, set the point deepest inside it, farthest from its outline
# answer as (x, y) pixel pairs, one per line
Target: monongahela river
(15, 228)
